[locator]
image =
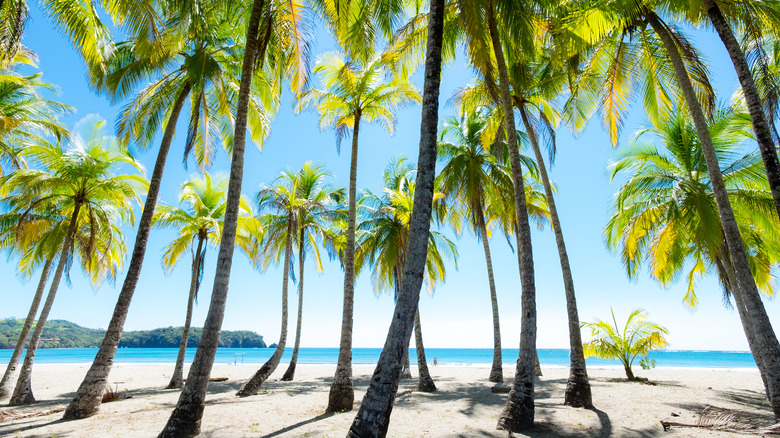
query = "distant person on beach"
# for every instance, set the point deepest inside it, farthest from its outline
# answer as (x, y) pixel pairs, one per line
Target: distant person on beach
(435, 362)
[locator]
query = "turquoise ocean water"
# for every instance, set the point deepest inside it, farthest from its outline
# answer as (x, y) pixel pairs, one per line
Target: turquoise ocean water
(456, 356)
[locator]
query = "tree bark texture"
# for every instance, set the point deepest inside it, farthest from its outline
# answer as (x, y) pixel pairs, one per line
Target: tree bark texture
(185, 419)
(7, 381)
(90, 393)
(373, 417)
(253, 384)
(497, 370)
(406, 371)
(767, 344)
(757, 116)
(23, 394)
(177, 379)
(578, 392)
(342, 395)
(518, 414)
(425, 383)
(731, 279)
(289, 375)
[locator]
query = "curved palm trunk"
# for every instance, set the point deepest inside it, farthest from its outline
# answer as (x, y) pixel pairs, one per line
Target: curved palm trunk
(178, 370)
(90, 393)
(23, 394)
(578, 387)
(253, 385)
(342, 395)
(185, 419)
(5, 384)
(425, 383)
(497, 370)
(290, 373)
(752, 98)
(406, 371)
(518, 414)
(727, 268)
(767, 346)
(373, 417)
(537, 364)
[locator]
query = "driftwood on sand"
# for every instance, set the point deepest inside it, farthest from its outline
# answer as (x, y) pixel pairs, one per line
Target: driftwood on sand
(728, 420)
(18, 414)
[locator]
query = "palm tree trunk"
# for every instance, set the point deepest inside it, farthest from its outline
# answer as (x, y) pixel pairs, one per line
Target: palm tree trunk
(727, 268)
(767, 344)
(253, 385)
(290, 373)
(406, 371)
(425, 383)
(90, 393)
(5, 384)
(23, 394)
(518, 414)
(373, 417)
(537, 364)
(578, 387)
(342, 394)
(629, 372)
(178, 371)
(757, 116)
(185, 419)
(497, 370)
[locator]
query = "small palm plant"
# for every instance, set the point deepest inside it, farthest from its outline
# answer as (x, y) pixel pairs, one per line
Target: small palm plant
(638, 338)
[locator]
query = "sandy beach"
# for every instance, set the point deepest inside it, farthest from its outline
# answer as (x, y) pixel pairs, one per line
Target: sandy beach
(463, 406)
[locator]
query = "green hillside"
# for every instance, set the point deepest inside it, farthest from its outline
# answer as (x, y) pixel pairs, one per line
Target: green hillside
(65, 334)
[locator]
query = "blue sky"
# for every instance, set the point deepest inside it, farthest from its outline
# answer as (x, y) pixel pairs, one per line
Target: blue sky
(458, 313)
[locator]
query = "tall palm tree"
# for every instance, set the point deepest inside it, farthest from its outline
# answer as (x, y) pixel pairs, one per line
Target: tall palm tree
(185, 419)
(27, 117)
(81, 181)
(387, 240)
(353, 93)
(373, 417)
(471, 171)
(195, 55)
(677, 53)
(536, 85)
(281, 24)
(200, 220)
(289, 203)
(515, 18)
(665, 213)
(315, 211)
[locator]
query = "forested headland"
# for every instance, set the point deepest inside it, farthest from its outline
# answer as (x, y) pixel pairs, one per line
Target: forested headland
(65, 334)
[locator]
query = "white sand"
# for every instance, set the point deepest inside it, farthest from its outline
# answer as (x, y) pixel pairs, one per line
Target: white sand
(463, 406)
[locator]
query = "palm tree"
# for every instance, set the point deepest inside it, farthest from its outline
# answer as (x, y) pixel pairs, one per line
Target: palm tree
(373, 417)
(199, 220)
(290, 203)
(315, 211)
(386, 242)
(518, 413)
(638, 338)
(536, 84)
(672, 51)
(27, 117)
(353, 93)
(665, 212)
(470, 171)
(283, 27)
(81, 181)
(195, 55)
